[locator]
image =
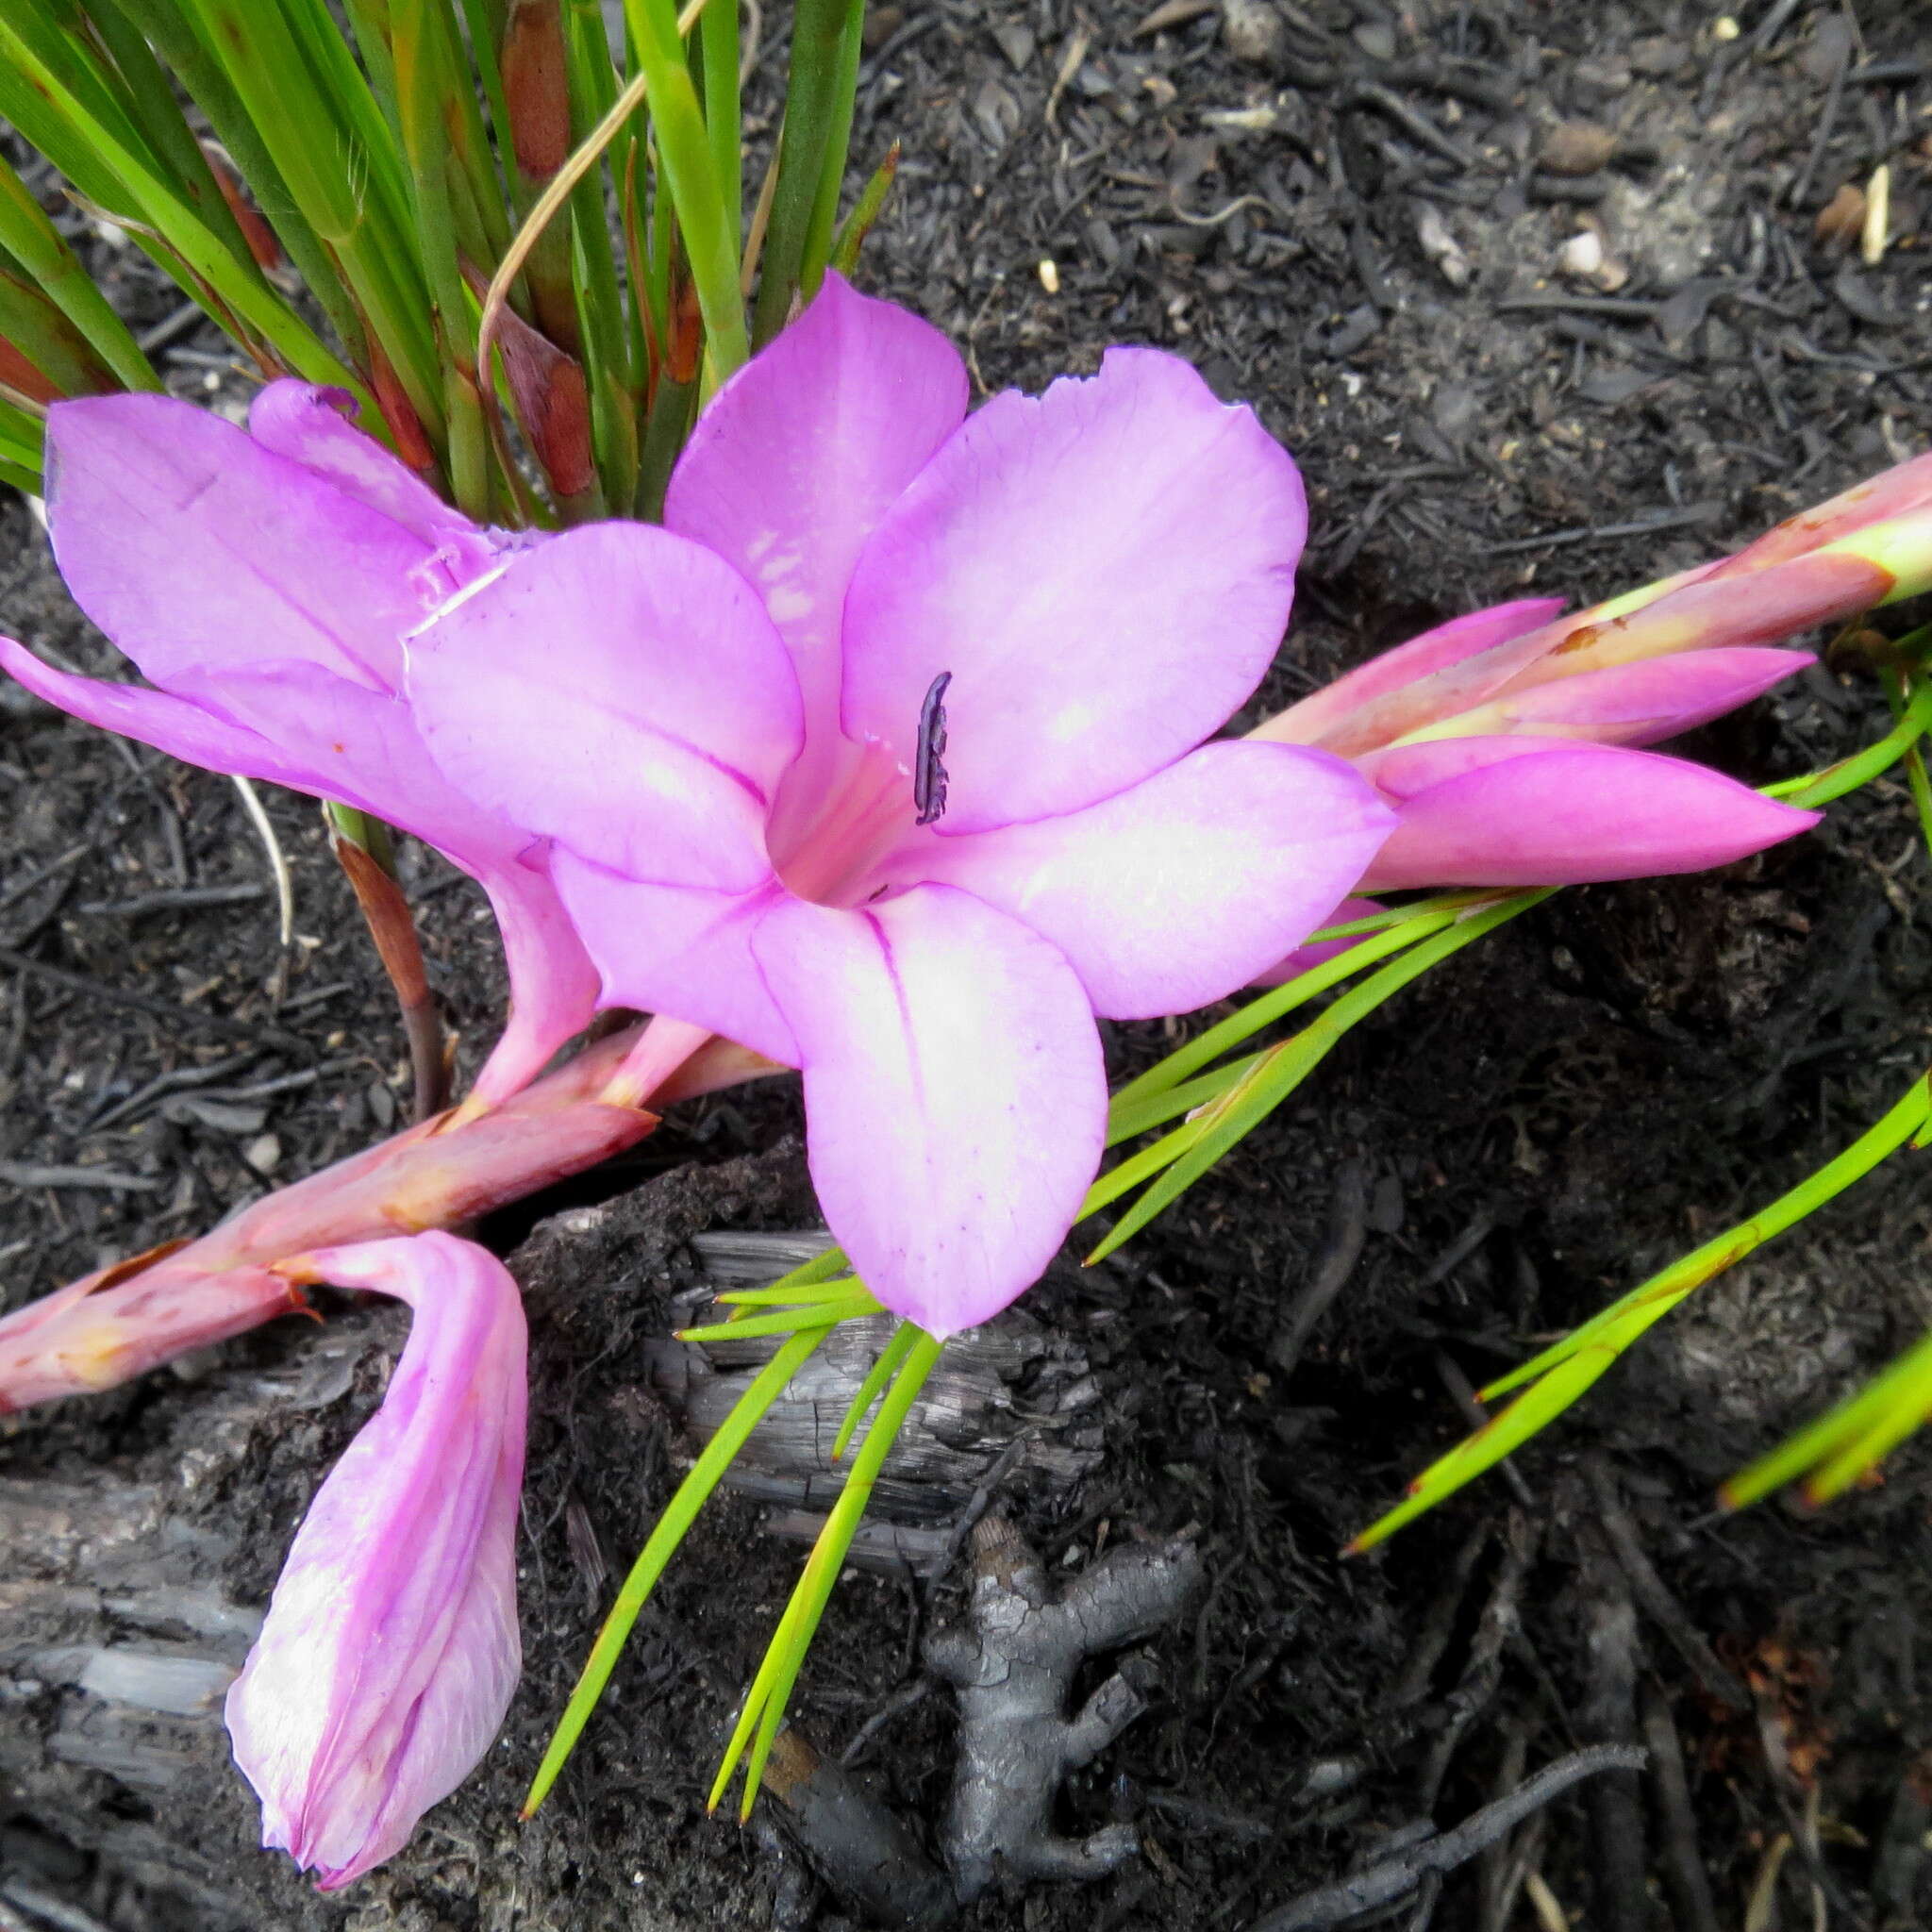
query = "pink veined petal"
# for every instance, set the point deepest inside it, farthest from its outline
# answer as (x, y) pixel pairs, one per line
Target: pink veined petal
(1104, 571)
(1504, 811)
(1435, 650)
(798, 457)
(1304, 957)
(1179, 890)
(678, 950)
(177, 725)
(619, 690)
(553, 985)
(389, 1652)
(357, 745)
(954, 1095)
(316, 427)
(194, 547)
(1628, 704)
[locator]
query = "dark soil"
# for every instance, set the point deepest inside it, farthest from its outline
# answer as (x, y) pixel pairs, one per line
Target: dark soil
(1355, 231)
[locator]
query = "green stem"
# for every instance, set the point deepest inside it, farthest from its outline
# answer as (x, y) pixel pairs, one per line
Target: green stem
(684, 154)
(813, 117)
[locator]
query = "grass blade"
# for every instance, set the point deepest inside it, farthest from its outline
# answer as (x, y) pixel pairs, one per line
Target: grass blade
(694, 1492)
(771, 1689)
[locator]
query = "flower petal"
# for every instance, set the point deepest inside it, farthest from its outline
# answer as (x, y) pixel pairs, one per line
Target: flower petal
(954, 1092)
(389, 1652)
(678, 950)
(1305, 959)
(316, 427)
(553, 985)
(803, 450)
(1104, 571)
(193, 547)
(357, 745)
(1513, 811)
(620, 690)
(1322, 711)
(1628, 704)
(1180, 888)
(175, 726)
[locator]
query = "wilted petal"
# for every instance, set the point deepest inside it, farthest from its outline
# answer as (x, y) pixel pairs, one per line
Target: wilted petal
(1179, 890)
(1513, 811)
(1450, 644)
(954, 1088)
(389, 1651)
(172, 724)
(316, 427)
(620, 690)
(194, 547)
(678, 950)
(1629, 704)
(798, 457)
(1104, 571)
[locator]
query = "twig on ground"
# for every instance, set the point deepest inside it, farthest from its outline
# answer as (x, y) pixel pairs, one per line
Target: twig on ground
(1483, 1670)
(1013, 1659)
(1655, 1598)
(858, 1844)
(1348, 1227)
(1393, 1876)
(1609, 1715)
(172, 1010)
(1686, 1881)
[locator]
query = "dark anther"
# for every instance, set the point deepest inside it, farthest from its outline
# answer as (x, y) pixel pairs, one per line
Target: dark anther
(928, 774)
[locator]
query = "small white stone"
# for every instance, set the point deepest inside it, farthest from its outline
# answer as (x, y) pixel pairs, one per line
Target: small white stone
(1582, 256)
(263, 1154)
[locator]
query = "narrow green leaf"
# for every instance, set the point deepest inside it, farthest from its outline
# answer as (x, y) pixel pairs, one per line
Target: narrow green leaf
(1278, 1073)
(1482, 1451)
(31, 240)
(134, 190)
(820, 236)
(785, 1321)
(889, 1361)
(201, 74)
(1560, 1375)
(771, 1689)
(1847, 1441)
(813, 120)
(684, 154)
(694, 1492)
(865, 211)
(1629, 1315)
(1421, 920)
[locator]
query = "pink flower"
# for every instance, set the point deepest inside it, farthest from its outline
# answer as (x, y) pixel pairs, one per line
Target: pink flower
(389, 1651)
(262, 582)
(881, 759)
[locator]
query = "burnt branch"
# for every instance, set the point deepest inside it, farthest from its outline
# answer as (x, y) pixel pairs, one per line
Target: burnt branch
(1013, 1661)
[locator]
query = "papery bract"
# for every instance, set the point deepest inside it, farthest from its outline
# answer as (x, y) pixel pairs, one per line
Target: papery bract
(262, 581)
(389, 1651)
(722, 741)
